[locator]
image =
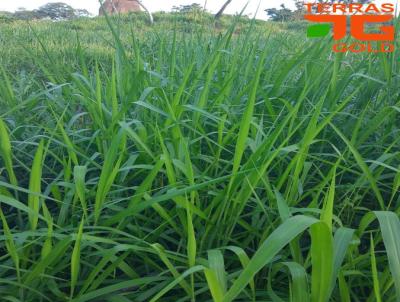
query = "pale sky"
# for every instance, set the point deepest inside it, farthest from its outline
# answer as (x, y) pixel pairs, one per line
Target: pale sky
(155, 5)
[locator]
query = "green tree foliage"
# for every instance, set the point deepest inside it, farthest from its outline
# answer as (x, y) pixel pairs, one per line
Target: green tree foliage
(53, 11)
(6, 16)
(24, 14)
(60, 11)
(194, 7)
(56, 11)
(282, 14)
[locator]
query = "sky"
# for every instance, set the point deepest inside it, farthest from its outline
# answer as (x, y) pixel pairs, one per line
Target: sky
(155, 5)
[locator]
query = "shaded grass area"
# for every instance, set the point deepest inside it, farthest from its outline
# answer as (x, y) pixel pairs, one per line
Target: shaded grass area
(188, 163)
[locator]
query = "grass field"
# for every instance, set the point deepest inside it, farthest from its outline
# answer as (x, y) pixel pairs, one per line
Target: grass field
(184, 162)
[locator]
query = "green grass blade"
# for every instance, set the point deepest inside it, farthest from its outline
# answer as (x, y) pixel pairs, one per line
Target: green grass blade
(163, 256)
(48, 244)
(363, 166)
(214, 285)
(39, 267)
(80, 186)
(244, 126)
(300, 291)
(108, 173)
(375, 277)
(282, 236)
(216, 264)
(343, 289)
(341, 242)
(5, 152)
(327, 211)
(390, 229)
(244, 261)
(76, 259)
(10, 245)
(35, 186)
(170, 286)
(322, 262)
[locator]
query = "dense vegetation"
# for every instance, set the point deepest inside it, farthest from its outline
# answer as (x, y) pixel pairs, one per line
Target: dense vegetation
(51, 11)
(194, 161)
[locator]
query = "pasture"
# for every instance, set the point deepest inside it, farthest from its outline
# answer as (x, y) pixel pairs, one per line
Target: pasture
(193, 161)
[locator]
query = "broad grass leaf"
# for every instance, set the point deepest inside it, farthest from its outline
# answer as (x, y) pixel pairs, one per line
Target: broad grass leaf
(10, 244)
(76, 258)
(35, 186)
(282, 236)
(322, 262)
(390, 229)
(300, 290)
(5, 152)
(80, 186)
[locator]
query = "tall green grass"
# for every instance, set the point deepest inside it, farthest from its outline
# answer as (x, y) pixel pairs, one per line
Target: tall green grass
(193, 164)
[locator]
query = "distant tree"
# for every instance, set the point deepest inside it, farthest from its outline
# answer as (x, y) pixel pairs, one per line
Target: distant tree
(282, 14)
(56, 11)
(23, 14)
(298, 13)
(223, 8)
(191, 8)
(81, 13)
(6, 16)
(299, 5)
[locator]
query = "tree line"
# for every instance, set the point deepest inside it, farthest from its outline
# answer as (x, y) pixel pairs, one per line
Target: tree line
(63, 11)
(53, 11)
